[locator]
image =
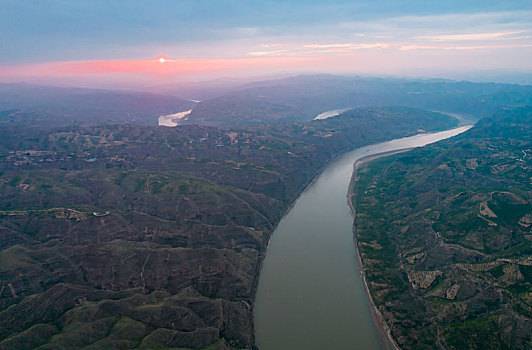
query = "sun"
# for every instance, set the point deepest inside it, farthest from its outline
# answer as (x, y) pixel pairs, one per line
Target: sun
(162, 59)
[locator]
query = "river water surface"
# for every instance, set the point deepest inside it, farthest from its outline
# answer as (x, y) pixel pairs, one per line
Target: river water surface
(310, 294)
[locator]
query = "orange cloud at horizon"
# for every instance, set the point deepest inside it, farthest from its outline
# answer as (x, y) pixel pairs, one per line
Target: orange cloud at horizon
(337, 58)
(169, 67)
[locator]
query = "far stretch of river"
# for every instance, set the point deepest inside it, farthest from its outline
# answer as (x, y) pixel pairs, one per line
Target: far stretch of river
(310, 295)
(331, 113)
(172, 120)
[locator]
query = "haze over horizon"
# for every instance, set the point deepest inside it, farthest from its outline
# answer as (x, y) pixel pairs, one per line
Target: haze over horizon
(100, 44)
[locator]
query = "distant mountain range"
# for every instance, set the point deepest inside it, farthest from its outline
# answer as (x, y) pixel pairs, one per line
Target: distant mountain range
(66, 105)
(237, 103)
(302, 98)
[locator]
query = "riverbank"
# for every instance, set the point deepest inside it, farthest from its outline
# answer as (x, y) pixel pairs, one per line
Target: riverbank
(413, 211)
(386, 338)
(385, 334)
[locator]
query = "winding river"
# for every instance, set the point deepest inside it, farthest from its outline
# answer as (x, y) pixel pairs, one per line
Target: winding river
(310, 294)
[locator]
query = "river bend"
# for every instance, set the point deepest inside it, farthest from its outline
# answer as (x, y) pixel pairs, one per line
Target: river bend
(310, 294)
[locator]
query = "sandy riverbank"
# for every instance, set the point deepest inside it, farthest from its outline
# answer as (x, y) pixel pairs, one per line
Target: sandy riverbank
(385, 335)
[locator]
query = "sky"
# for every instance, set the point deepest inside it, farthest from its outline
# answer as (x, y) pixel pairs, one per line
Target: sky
(95, 41)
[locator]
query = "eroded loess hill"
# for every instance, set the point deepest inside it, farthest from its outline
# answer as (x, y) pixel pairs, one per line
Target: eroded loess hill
(445, 236)
(130, 236)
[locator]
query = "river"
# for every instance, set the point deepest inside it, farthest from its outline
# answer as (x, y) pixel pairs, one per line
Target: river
(172, 120)
(310, 294)
(331, 113)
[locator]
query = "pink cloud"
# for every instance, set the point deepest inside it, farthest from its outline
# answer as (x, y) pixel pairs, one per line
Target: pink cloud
(378, 57)
(309, 49)
(472, 36)
(471, 47)
(153, 67)
(268, 53)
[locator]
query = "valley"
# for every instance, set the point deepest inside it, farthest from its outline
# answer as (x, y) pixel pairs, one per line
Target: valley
(265, 175)
(134, 236)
